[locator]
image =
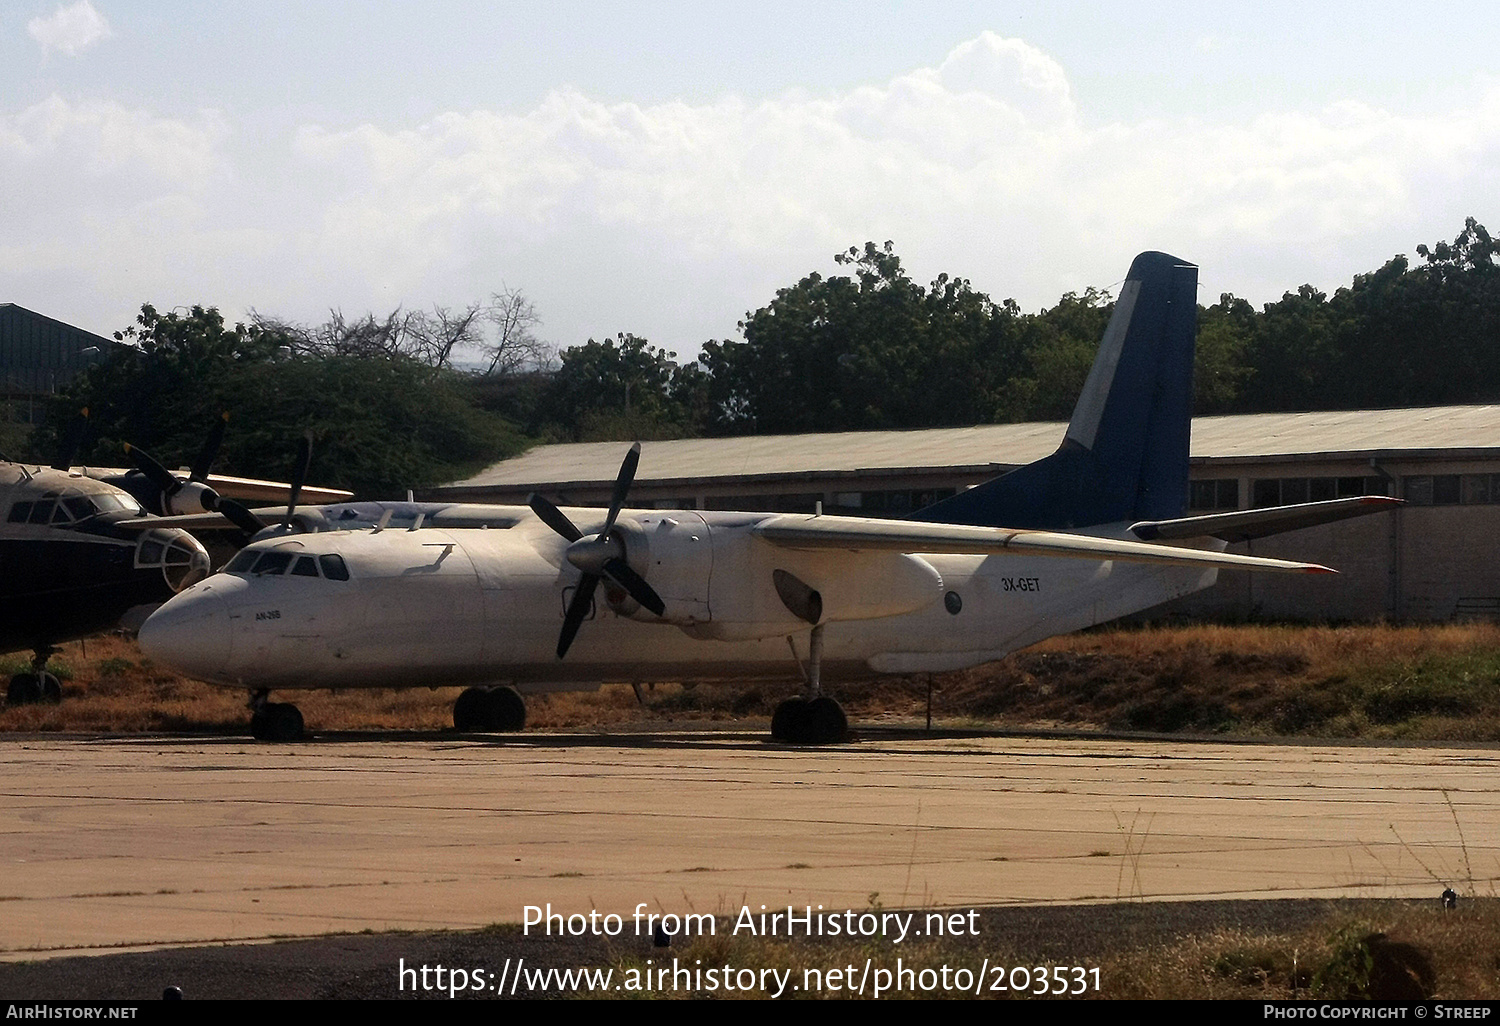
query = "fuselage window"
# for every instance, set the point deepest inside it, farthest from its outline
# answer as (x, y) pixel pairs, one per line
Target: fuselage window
(305, 566)
(272, 563)
(20, 512)
(333, 566)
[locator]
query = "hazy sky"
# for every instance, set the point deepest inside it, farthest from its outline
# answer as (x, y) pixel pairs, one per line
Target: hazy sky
(663, 168)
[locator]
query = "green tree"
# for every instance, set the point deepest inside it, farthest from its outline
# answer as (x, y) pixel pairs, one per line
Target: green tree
(870, 350)
(382, 421)
(622, 388)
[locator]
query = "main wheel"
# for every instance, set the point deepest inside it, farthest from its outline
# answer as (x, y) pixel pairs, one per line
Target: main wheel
(506, 709)
(51, 688)
(826, 722)
(25, 689)
(469, 711)
(789, 721)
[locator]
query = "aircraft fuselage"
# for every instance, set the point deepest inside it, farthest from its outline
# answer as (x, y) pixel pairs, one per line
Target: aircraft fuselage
(434, 607)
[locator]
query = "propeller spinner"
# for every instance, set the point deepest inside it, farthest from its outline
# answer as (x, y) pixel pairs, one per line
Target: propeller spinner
(598, 556)
(179, 496)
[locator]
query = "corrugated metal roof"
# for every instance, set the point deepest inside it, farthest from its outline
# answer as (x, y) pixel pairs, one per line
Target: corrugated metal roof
(990, 446)
(40, 354)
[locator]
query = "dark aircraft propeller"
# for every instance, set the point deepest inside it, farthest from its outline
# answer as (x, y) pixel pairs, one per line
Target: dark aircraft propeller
(299, 475)
(598, 556)
(170, 484)
(68, 449)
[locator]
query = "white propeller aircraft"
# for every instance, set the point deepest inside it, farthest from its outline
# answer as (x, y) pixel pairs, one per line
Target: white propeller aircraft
(688, 595)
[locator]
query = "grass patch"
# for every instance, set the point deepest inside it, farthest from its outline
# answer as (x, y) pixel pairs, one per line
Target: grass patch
(1392, 951)
(1438, 683)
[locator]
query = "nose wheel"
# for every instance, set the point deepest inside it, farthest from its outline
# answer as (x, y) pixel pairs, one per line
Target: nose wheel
(35, 685)
(481, 710)
(811, 718)
(274, 721)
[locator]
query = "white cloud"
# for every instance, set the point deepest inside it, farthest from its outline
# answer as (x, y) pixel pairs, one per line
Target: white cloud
(672, 219)
(70, 30)
(973, 164)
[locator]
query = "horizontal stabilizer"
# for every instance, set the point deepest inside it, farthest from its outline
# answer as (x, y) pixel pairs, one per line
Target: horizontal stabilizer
(804, 531)
(1248, 524)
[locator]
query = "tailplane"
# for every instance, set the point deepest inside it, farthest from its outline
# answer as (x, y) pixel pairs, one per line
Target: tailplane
(1125, 454)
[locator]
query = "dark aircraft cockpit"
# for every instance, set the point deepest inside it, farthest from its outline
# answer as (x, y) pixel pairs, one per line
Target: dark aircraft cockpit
(58, 510)
(279, 562)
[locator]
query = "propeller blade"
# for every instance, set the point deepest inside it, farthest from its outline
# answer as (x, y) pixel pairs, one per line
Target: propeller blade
(553, 517)
(299, 474)
(622, 485)
(210, 451)
(583, 598)
(241, 517)
(165, 481)
(619, 571)
(70, 443)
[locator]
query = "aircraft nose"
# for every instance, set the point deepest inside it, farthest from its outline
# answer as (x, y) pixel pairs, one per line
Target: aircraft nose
(190, 633)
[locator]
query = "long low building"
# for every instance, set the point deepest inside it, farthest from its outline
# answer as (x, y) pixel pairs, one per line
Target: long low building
(1430, 560)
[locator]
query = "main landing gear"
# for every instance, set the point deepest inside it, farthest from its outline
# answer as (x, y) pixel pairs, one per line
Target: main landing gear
(811, 718)
(481, 710)
(274, 721)
(35, 685)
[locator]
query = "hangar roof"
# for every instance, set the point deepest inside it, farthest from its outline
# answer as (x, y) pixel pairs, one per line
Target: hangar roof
(995, 447)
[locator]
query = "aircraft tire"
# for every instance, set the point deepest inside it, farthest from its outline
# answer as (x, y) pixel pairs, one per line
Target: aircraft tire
(51, 688)
(469, 712)
(826, 722)
(24, 689)
(277, 721)
(789, 721)
(506, 709)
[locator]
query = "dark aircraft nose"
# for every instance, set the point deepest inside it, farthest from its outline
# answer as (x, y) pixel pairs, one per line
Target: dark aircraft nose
(183, 560)
(191, 632)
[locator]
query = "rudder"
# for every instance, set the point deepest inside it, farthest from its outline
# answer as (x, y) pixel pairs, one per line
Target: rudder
(1125, 454)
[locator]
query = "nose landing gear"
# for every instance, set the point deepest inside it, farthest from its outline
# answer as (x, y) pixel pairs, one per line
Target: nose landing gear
(480, 710)
(36, 685)
(274, 721)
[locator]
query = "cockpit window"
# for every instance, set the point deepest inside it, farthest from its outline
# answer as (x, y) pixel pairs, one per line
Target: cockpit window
(305, 566)
(81, 506)
(108, 502)
(20, 512)
(41, 512)
(333, 566)
(242, 561)
(272, 563)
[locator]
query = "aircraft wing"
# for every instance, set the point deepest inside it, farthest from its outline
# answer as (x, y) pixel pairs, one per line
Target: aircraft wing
(1248, 524)
(188, 521)
(252, 490)
(239, 488)
(805, 531)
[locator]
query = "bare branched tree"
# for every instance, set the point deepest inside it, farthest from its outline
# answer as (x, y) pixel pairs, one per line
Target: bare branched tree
(502, 331)
(432, 338)
(514, 345)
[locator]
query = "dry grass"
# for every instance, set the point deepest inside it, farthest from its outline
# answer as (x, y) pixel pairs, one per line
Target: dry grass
(1389, 950)
(1379, 954)
(1375, 681)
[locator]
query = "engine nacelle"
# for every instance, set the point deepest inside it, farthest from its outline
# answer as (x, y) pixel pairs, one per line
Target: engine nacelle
(673, 551)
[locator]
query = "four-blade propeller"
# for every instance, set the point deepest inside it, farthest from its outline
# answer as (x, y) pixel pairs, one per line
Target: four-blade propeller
(170, 485)
(598, 556)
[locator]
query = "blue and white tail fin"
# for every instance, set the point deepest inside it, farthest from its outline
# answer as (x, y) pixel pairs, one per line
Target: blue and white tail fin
(1125, 454)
